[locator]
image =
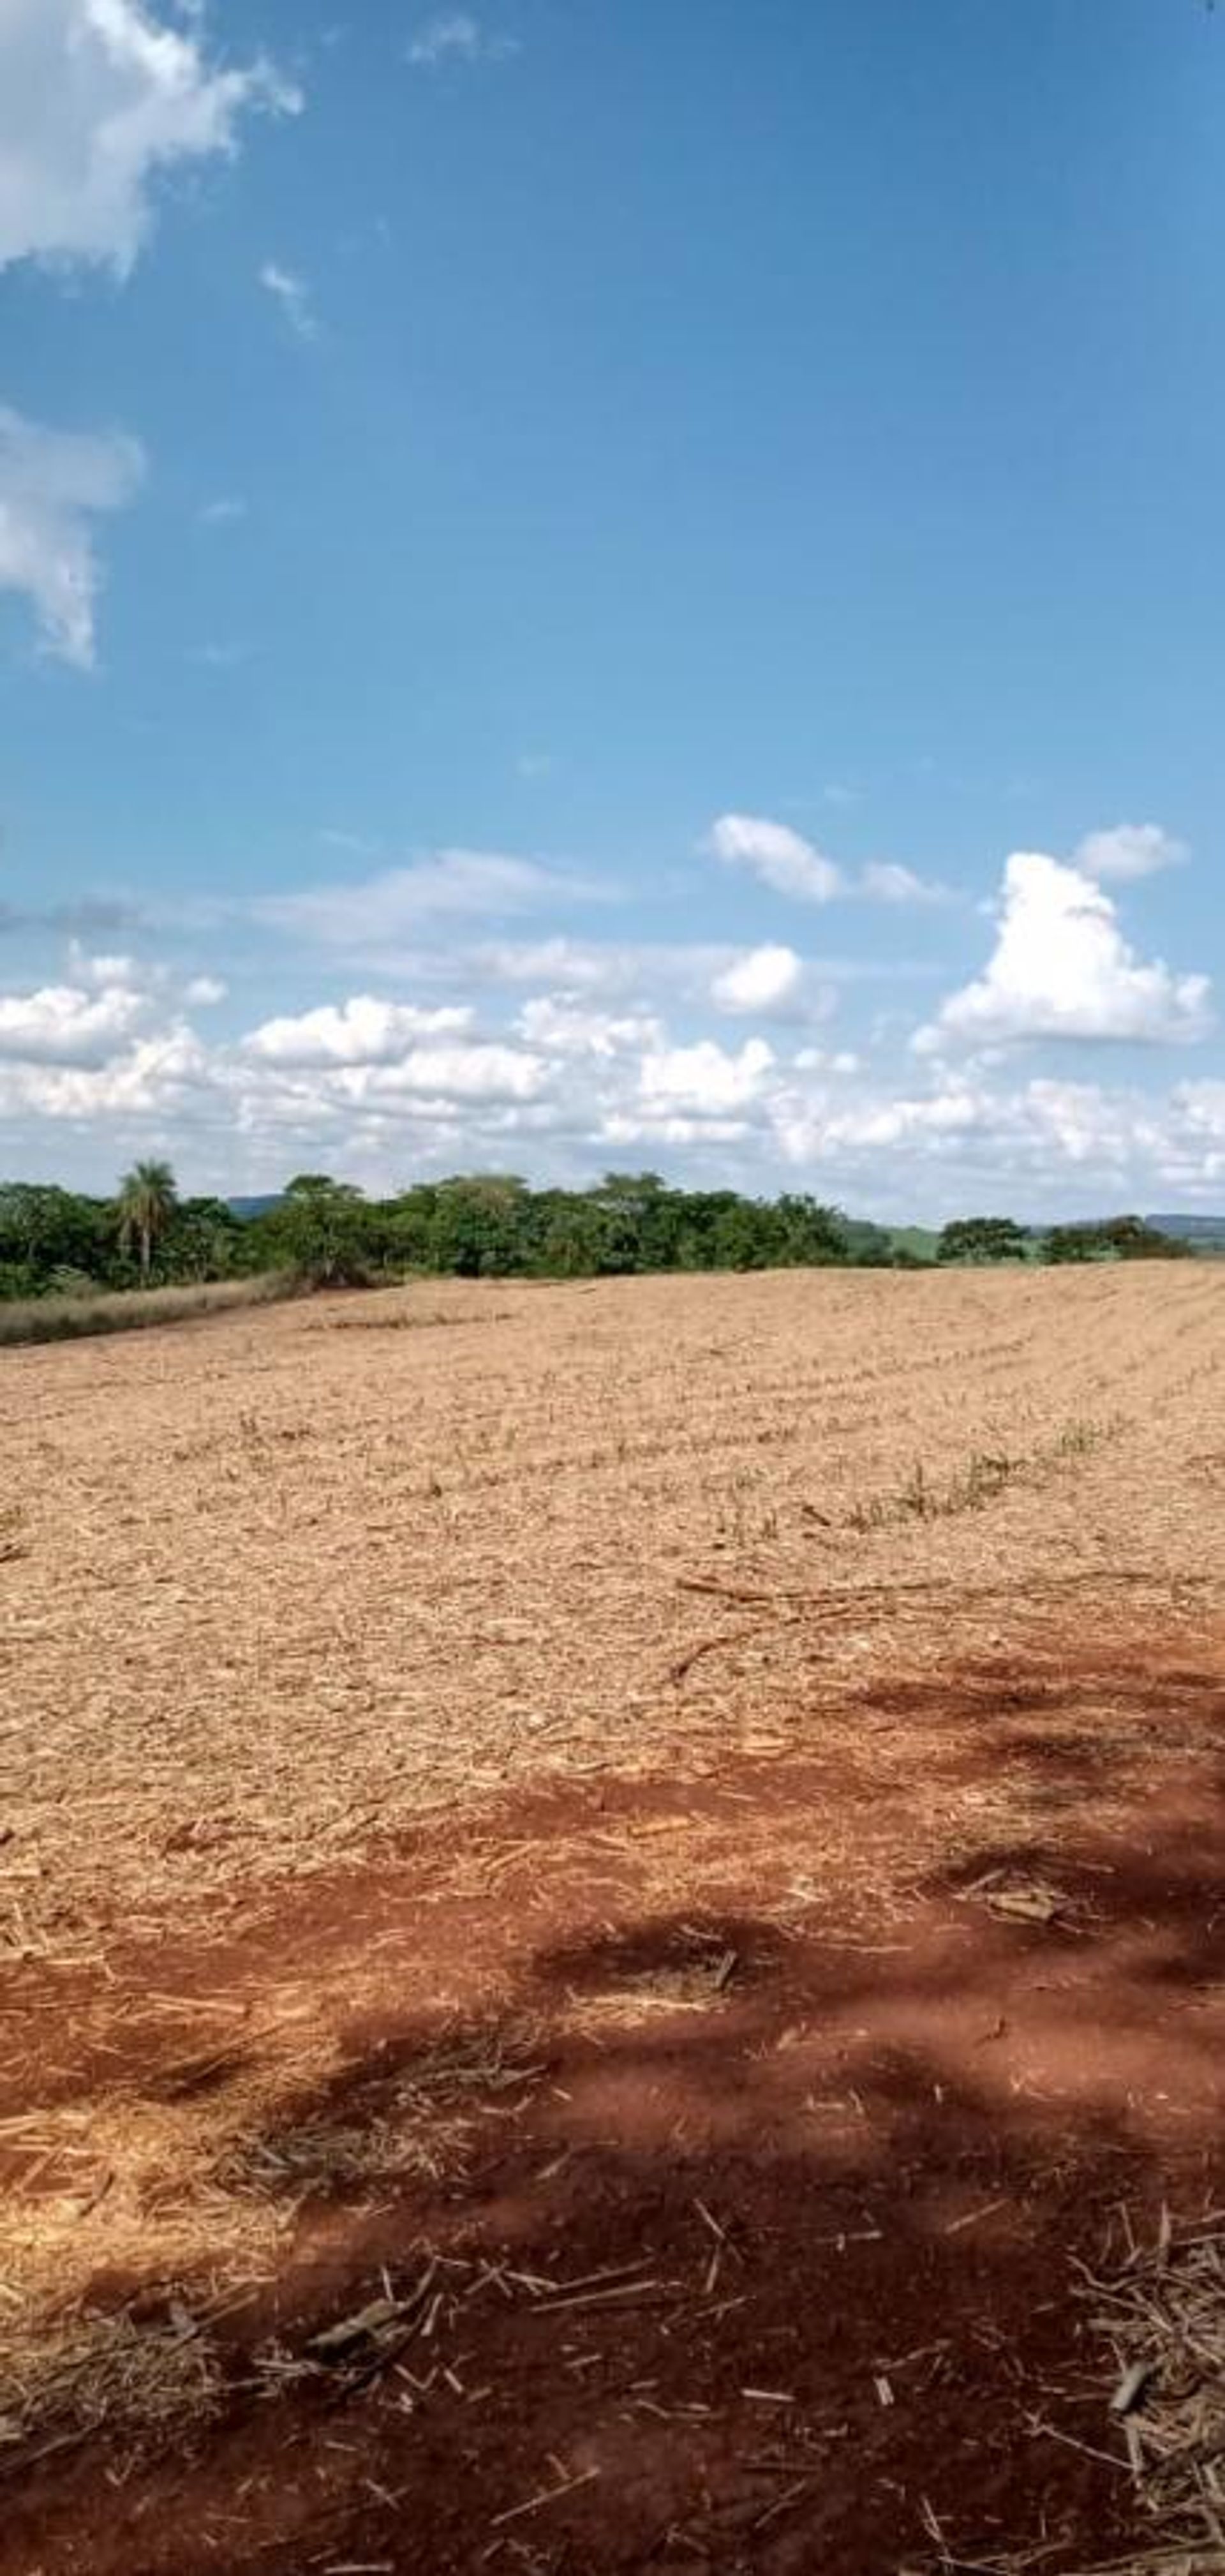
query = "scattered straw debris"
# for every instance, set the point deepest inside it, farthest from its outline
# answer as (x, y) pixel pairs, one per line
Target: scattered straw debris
(1163, 2316)
(1016, 1896)
(142, 2380)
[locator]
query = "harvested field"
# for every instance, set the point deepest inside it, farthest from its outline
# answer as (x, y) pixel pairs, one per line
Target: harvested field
(612, 1898)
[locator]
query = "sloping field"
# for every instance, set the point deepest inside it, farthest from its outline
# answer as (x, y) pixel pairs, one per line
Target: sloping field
(605, 1891)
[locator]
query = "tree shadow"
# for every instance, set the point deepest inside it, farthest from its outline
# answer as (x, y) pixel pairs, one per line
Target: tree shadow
(728, 2239)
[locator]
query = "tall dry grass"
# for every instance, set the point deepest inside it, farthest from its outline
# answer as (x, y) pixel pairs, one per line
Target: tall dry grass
(129, 1310)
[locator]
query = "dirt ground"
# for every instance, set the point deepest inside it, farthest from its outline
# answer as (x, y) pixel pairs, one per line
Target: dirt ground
(606, 1893)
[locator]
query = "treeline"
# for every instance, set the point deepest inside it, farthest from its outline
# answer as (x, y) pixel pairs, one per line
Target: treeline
(56, 1242)
(485, 1225)
(978, 1239)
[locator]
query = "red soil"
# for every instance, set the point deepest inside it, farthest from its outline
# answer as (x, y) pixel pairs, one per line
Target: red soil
(852, 2176)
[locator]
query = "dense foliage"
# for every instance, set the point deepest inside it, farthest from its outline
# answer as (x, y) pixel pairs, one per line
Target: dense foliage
(983, 1238)
(1117, 1238)
(491, 1225)
(485, 1225)
(54, 1241)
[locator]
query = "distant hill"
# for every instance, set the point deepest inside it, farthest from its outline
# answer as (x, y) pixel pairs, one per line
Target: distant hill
(247, 1208)
(1192, 1229)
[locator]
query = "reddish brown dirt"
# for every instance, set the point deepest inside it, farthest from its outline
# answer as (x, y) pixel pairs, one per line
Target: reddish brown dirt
(854, 2177)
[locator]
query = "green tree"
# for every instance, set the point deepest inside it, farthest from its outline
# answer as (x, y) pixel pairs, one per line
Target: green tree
(146, 1205)
(482, 1225)
(1114, 1238)
(43, 1229)
(983, 1238)
(324, 1230)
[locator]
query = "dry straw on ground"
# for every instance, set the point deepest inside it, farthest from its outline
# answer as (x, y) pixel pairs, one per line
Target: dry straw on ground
(281, 1589)
(281, 1586)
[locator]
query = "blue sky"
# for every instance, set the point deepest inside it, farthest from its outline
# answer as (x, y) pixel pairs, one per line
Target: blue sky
(588, 582)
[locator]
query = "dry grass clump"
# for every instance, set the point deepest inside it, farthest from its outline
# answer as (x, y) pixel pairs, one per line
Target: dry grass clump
(420, 2131)
(140, 2379)
(192, 2209)
(128, 1310)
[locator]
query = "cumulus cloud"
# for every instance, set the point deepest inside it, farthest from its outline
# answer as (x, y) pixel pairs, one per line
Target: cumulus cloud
(70, 1023)
(1127, 851)
(457, 37)
(164, 1076)
(293, 296)
(110, 1055)
(359, 1031)
(561, 1026)
(1062, 968)
(782, 859)
(53, 484)
(760, 980)
(97, 97)
(704, 1080)
(483, 1070)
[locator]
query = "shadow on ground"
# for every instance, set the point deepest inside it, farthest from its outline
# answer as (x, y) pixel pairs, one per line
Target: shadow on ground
(737, 2241)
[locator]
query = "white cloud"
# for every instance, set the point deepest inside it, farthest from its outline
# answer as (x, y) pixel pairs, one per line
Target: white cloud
(783, 859)
(457, 37)
(223, 512)
(559, 1026)
(96, 98)
(110, 1058)
(1127, 851)
(1062, 968)
(293, 296)
(68, 1023)
(760, 980)
(482, 1071)
(163, 1075)
(704, 1080)
(884, 881)
(359, 1031)
(572, 966)
(53, 483)
(374, 915)
(790, 865)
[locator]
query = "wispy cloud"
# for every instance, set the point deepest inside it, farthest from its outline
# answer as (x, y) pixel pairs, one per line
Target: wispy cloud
(223, 512)
(293, 295)
(369, 917)
(782, 858)
(457, 37)
(1127, 851)
(793, 866)
(222, 656)
(53, 483)
(884, 881)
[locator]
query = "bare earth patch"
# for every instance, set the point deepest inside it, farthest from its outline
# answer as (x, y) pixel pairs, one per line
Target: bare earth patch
(611, 1913)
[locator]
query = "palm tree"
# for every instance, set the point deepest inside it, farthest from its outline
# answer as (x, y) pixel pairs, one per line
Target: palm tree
(146, 1203)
